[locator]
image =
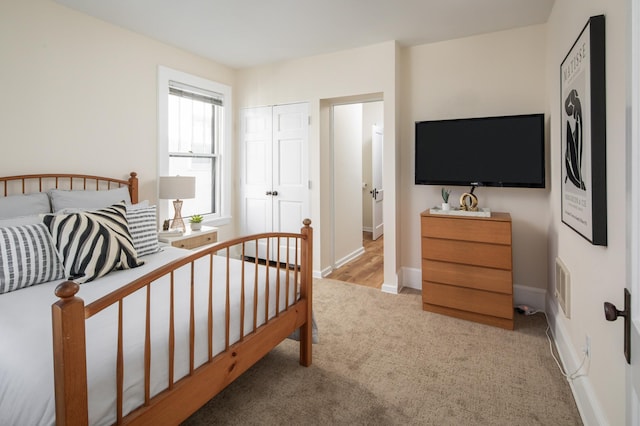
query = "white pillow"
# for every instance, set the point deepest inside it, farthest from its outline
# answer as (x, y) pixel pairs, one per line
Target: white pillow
(93, 243)
(78, 199)
(24, 205)
(28, 256)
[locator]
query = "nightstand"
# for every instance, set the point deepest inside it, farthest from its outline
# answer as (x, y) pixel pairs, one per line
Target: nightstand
(193, 239)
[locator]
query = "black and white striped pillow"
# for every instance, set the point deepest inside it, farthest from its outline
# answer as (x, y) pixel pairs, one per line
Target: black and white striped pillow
(27, 257)
(144, 229)
(93, 243)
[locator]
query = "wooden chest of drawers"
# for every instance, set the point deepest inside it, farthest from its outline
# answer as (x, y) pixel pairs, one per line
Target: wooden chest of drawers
(467, 267)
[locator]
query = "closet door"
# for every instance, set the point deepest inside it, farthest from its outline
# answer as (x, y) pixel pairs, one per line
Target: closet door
(256, 177)
(275, 177)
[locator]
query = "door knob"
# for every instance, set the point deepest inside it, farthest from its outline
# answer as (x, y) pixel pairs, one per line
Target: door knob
(269, 193)
(612, 313)
(274, 193)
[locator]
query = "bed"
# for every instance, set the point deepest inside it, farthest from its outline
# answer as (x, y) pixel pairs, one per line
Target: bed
(149, 340)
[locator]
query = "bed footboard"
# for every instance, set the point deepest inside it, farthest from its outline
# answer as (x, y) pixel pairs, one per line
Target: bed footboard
(291, 273)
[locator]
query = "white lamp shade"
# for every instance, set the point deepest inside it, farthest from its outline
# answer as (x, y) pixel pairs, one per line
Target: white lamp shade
(177, 187)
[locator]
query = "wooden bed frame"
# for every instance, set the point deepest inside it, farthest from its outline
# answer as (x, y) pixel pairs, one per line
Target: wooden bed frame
(182, 397)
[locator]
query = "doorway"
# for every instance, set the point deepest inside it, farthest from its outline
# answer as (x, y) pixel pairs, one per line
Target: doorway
(357, 249)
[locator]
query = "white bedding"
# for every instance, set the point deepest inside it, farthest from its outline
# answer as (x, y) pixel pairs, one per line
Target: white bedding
(26, 361)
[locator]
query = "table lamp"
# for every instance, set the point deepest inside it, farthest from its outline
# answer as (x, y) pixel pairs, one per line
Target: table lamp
(177, 188)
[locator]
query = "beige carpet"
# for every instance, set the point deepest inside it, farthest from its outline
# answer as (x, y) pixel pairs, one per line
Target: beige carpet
(381, 360)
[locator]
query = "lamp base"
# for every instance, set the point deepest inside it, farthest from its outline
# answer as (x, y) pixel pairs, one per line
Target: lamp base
(177, 222)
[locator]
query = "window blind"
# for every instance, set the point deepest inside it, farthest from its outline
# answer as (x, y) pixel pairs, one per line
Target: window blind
(190, 92)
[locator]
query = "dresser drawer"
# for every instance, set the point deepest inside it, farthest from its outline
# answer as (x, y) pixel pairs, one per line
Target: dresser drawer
(479, 230)
(465, 252)
(469, 300)
(496, 280)
(195, 241)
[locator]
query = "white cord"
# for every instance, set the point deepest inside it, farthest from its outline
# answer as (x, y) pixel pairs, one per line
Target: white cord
(572, 376)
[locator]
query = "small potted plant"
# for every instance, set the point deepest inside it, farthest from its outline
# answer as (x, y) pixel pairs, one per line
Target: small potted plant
(445, 198)
(196, 222)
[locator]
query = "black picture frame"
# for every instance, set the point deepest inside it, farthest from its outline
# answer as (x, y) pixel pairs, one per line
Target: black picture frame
(583, 134)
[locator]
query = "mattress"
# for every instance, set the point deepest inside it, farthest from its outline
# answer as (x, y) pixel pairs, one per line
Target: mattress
(26, 362)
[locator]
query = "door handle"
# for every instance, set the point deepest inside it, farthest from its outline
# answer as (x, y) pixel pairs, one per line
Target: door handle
(611, 313)
(273, 193)
(374, 193)
(269, 193)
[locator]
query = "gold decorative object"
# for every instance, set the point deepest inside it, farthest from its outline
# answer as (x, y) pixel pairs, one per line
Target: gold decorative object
(468, 202)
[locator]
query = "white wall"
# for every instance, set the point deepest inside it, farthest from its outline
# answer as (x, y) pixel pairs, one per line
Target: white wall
(494, 74)
(347, 180)
(80, 95)
(356, 75)
(598, 274)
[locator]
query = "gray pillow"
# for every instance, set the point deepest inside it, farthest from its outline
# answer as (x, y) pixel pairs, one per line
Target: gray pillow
(21, 220)
(144, 230)
(24, 205)
(63, 199)
(29, 257)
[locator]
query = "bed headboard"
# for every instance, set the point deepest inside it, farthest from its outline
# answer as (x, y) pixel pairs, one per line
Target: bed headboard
(24, 184)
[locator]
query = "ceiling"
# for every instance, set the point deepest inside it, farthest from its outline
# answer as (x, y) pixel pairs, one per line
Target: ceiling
(247, 33)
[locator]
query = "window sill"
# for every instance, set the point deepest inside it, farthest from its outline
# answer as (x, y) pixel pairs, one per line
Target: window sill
(218, 221)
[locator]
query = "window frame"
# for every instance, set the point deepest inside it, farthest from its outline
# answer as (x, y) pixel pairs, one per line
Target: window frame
(165, 75)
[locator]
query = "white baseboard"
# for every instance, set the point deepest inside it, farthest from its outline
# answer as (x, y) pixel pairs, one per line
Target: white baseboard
(348, 258)
(326, 271)
(586, 400)
(410, 278)
(531, 296)
(322, 273)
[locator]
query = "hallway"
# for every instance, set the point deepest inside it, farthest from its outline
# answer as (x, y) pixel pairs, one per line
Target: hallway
(366, 270)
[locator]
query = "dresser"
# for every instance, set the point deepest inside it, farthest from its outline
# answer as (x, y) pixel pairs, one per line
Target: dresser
(467, 267)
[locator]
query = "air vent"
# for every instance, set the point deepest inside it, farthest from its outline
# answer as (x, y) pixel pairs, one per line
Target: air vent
(563, 287)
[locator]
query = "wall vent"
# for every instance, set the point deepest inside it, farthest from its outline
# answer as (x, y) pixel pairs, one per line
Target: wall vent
(563, 287)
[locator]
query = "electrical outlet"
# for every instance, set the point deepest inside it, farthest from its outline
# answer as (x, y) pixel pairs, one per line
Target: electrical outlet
(587, 345)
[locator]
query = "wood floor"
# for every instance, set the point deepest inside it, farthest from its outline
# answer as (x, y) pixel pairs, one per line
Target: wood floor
(368, 269)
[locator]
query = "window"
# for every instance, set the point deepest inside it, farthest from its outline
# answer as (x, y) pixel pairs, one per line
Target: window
(194, 140)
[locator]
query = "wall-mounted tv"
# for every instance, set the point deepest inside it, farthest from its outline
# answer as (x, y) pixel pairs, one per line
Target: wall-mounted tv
(488, 151)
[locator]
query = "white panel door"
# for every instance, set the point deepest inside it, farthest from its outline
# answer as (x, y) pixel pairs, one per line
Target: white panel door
(290, 169)
(277, 193)
(256, 174)
(377, 193)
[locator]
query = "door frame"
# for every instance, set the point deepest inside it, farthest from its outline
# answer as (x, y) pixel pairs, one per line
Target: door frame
(358, 99)
(632, 385)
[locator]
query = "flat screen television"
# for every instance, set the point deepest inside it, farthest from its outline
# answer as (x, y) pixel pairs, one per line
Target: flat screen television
(489, 151)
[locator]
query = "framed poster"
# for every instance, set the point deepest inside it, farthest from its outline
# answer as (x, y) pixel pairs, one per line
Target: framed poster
(583, 128)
